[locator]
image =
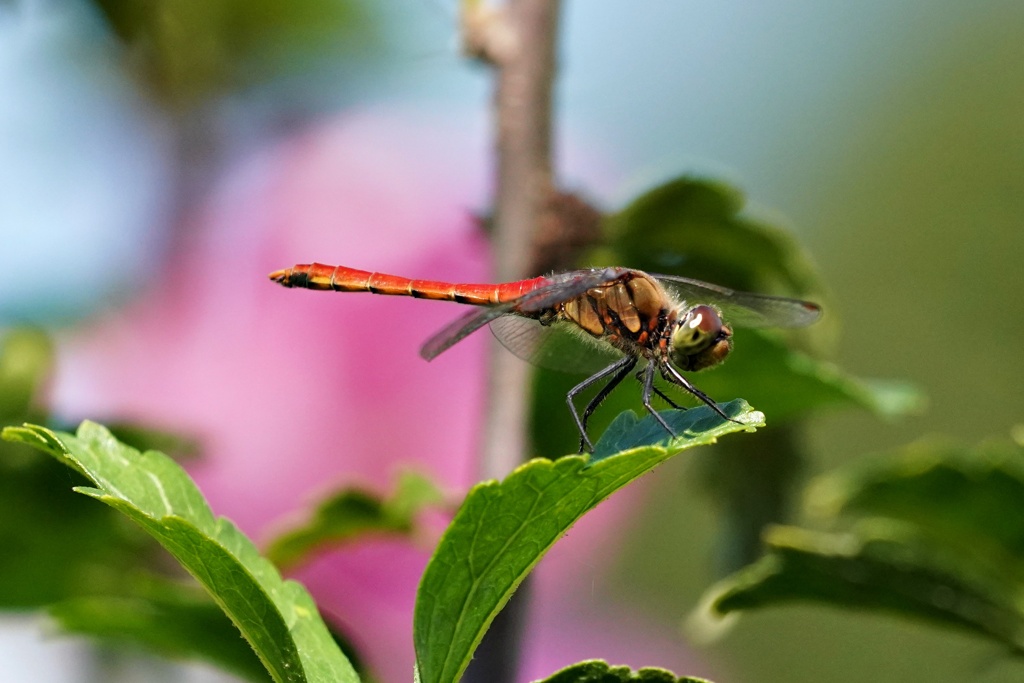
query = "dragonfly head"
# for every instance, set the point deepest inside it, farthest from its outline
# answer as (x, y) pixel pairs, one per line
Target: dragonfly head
(700, 339)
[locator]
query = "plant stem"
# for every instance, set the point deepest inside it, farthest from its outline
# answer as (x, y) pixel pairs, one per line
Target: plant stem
(519, 40)
(523, 52)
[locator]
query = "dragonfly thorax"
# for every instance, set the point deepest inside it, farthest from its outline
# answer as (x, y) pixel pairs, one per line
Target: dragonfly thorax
(700, 339)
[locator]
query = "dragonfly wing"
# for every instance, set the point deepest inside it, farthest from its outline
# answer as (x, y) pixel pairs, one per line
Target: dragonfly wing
(554, 347)
(460, 328)
(544, 344)
(565, 286)
(745, 309)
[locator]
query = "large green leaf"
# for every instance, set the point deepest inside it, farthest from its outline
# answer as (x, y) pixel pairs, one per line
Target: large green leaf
(597, 671)
(503, 529)
(934, 531)
(349, 514)
(277, 617)
(880, 566)
(971, 497)
(695, 227)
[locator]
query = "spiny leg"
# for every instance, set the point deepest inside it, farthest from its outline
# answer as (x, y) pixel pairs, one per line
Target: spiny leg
(648, 382)
(666, 399)
(603, 394)
(672, 375)
(627, 362)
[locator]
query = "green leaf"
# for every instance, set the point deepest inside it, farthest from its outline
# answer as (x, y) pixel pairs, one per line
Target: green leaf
(880, 567)
(933, 531)
(698, 230)
(503, 529)
(960, 496)
(169, 618)
(277, 617)
(697, 227)
(597, 671)
(349, 514)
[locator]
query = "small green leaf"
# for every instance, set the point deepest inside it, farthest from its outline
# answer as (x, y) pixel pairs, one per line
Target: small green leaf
(169, 618)
(277, 617)
(597, 671)
(503, 529)
(349, 514)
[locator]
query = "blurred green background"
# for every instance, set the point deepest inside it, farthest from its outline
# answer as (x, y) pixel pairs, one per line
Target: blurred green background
(890, 136)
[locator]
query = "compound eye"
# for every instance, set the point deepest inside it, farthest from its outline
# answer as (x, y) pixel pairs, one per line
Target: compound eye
(704, 320)
(701, 340)
(699, 327)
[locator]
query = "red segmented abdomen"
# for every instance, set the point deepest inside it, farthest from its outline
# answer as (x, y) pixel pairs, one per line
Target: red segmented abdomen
(343, 279)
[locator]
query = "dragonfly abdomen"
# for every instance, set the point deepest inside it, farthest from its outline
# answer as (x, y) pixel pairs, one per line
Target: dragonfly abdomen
(344, 279)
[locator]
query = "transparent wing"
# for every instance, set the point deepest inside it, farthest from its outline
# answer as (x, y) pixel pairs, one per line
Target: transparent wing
(555, 347)
(460, 328)
(562, 287)
(745, 309)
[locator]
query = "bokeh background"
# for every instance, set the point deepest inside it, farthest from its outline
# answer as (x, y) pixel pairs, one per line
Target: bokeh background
(156, 163)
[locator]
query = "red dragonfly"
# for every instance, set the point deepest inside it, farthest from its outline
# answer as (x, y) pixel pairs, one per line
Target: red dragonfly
(675, 324)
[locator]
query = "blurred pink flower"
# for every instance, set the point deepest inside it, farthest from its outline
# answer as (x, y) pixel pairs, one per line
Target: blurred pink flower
(288, 388)
(296, 393)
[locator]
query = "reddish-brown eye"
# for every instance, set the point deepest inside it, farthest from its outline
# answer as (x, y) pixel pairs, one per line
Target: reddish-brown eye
(705, 319)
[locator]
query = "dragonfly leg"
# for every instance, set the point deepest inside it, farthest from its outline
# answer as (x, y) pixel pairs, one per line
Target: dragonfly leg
(601, 396)
(648, 383)
(619, 369)
(672, 375)
(665, 397)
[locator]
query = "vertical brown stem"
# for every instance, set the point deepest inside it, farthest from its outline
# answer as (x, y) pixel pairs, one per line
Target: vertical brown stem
(525, 64)
(520, 42)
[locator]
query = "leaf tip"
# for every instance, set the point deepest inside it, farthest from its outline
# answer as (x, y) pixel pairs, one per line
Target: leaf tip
(33, 435)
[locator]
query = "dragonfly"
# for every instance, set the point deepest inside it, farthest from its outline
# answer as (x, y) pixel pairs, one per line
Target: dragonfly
(672, 324)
